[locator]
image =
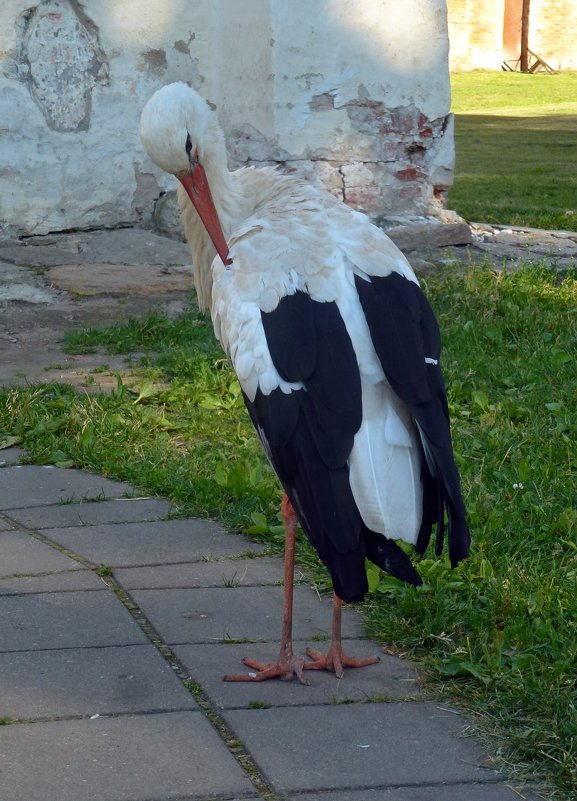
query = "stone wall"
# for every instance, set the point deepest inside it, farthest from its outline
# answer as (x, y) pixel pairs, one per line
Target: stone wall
(354, 93)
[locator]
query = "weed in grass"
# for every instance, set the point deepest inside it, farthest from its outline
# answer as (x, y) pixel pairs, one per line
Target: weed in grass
(193, 687)
(321, 636)
(233, 581)
(227, 640)
(259, 705)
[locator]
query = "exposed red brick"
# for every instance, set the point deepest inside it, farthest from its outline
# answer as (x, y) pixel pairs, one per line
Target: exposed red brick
(409, 174)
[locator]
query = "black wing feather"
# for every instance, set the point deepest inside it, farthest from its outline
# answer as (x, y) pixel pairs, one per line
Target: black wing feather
(290, 335)
(405, 334)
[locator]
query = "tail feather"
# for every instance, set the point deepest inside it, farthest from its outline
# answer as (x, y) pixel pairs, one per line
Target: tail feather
(387, 555)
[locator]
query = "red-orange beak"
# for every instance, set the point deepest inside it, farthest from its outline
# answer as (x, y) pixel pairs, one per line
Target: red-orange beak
(198, 190)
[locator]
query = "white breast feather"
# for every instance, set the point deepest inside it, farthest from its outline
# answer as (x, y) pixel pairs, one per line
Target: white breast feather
(237, 323)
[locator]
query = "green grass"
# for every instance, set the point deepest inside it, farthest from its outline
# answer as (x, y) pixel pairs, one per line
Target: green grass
(516, 149)
(499, 634)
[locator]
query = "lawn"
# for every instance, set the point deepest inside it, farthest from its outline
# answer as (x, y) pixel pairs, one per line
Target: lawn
(499, 634)
(516, 148)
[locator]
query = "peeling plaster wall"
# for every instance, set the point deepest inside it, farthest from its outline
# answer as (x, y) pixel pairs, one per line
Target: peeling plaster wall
(354, 93)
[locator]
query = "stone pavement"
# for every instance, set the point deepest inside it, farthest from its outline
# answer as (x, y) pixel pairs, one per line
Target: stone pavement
(118, 622)
(116, 626)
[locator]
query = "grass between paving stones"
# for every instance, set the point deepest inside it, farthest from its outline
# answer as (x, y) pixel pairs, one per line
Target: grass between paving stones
(499, 634)
(516, 150)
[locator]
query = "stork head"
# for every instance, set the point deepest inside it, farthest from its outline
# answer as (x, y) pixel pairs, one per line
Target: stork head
(181, 135)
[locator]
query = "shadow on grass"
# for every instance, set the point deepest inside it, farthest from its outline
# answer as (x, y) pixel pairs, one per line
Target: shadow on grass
(516, 170)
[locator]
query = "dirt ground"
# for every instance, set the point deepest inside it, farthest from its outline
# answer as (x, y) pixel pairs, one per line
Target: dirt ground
(51, 284)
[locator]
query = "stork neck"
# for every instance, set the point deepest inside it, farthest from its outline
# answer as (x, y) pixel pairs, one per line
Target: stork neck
(231, 207)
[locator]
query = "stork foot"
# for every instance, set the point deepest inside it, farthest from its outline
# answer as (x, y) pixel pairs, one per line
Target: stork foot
(283, 669)
(336, 660)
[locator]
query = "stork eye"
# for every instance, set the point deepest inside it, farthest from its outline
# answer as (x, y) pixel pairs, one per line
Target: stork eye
(188, 145)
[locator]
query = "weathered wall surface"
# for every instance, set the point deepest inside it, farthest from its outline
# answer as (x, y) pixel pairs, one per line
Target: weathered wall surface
(482, 35)
(476, 34)
(553, 32)
(353, 92)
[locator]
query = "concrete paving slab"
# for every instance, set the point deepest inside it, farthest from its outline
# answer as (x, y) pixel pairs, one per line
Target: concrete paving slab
(65, 620)
(210, 615)
(10, 456)
(70, 581)
(430, 792)
(33, 485)
(90, 513)
(88, 681)
(390, 678)
(21, 553)
(222, 573)
(359, 745)
(164, 541)
(163, 756)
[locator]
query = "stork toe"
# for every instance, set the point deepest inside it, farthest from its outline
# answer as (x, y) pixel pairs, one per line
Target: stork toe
(336, 661)
(283, 669)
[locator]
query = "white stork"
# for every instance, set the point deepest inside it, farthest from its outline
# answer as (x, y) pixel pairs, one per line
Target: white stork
(337, 352)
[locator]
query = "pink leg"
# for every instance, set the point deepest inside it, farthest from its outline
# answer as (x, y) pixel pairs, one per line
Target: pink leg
(335, 659)
(287, 665)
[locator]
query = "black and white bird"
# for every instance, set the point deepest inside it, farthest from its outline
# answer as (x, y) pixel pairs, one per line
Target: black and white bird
(337, 352)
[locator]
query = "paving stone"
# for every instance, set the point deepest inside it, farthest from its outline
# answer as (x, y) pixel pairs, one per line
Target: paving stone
(10, 456)
(65, 620)
(222, 573)
(88, 681)
(126, 246)
(429, 233)
(163, 541)
(47, 485)
(21, 553)
(161, 756)
(359, 745)
(52, 582)
(97, 278)
(390, 678)
(122, 510)
(486, 791)
(209, 615)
